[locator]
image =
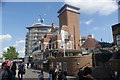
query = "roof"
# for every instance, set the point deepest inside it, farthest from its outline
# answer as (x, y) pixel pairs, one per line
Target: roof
(67, 5)
(40, 25)
(91, 43)
(114, 27)
(40, 61)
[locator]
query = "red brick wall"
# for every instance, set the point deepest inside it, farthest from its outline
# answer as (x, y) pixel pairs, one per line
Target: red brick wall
(74, 63)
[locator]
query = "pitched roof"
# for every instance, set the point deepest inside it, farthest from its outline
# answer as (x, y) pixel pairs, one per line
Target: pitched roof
(91, 43)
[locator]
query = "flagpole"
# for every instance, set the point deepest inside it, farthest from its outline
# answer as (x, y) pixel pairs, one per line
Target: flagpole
(63, 40)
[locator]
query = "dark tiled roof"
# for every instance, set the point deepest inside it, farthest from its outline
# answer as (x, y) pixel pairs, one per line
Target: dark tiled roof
(114, 27)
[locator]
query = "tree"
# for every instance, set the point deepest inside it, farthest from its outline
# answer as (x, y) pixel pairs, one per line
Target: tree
(11, 53)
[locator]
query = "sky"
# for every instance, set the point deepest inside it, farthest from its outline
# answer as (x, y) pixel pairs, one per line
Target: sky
(94, 18)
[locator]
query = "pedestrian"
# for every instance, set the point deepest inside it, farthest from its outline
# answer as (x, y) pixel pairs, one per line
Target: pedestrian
(50, 74)
(13, 70)
(119, 75)
(54, 73)
(116, 75)
(60, 74)
(5, 73)
(21, 71)
(87, 74)
(41, 75)
(9, 64)
(64, 75)
(80, 74)
(27, 64)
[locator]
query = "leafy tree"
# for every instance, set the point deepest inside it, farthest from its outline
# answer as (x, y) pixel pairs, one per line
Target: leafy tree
(11, 53)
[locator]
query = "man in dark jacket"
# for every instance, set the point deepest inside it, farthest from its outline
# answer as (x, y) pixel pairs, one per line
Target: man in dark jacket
(21, 70)
(80, 74)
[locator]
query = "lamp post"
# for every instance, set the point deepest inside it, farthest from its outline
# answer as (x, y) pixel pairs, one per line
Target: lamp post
(63, 46)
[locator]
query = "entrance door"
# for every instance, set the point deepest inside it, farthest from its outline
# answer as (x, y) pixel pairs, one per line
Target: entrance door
(64, 66)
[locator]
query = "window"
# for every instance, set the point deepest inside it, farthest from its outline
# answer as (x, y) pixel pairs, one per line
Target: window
(69, 45)
(66, 35)
(43, 30)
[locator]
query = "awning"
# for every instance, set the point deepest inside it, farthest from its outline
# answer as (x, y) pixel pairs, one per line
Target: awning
(34, 61)
(42, 61)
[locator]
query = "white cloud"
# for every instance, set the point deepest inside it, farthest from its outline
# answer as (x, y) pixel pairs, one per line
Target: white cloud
(20, 41)
(95, 28)
(102, 7)
(17, 43)
(21, 52)
(44, 14)
(88, 22)
(20, 46)
(5, 49)
(99, 28)
(6, 37)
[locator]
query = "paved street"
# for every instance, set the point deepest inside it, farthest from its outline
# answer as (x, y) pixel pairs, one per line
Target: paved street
(32, 74)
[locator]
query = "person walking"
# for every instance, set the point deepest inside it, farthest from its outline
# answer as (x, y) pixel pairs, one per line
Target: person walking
(28, 65)
(87, 74)
(41, 75)
(5, 73)
(13, 70)
(80, 74)
(64, 75)
(50, 74)
(60, 74)
(9, 64)
(21, 71)
(54, 73)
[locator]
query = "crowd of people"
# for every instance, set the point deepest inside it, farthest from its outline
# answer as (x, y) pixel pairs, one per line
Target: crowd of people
(54, 74)
(58, 74)
(8, 70)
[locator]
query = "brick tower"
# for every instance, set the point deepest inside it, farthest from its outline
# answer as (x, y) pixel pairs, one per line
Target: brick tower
(69, 16)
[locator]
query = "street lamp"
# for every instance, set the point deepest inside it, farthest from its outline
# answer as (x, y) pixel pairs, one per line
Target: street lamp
(64, 49)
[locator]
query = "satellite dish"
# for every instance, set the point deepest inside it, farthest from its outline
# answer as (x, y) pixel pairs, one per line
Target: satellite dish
(42, 20)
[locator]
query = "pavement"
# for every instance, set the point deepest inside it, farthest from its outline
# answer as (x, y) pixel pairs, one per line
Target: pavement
(32, 74)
